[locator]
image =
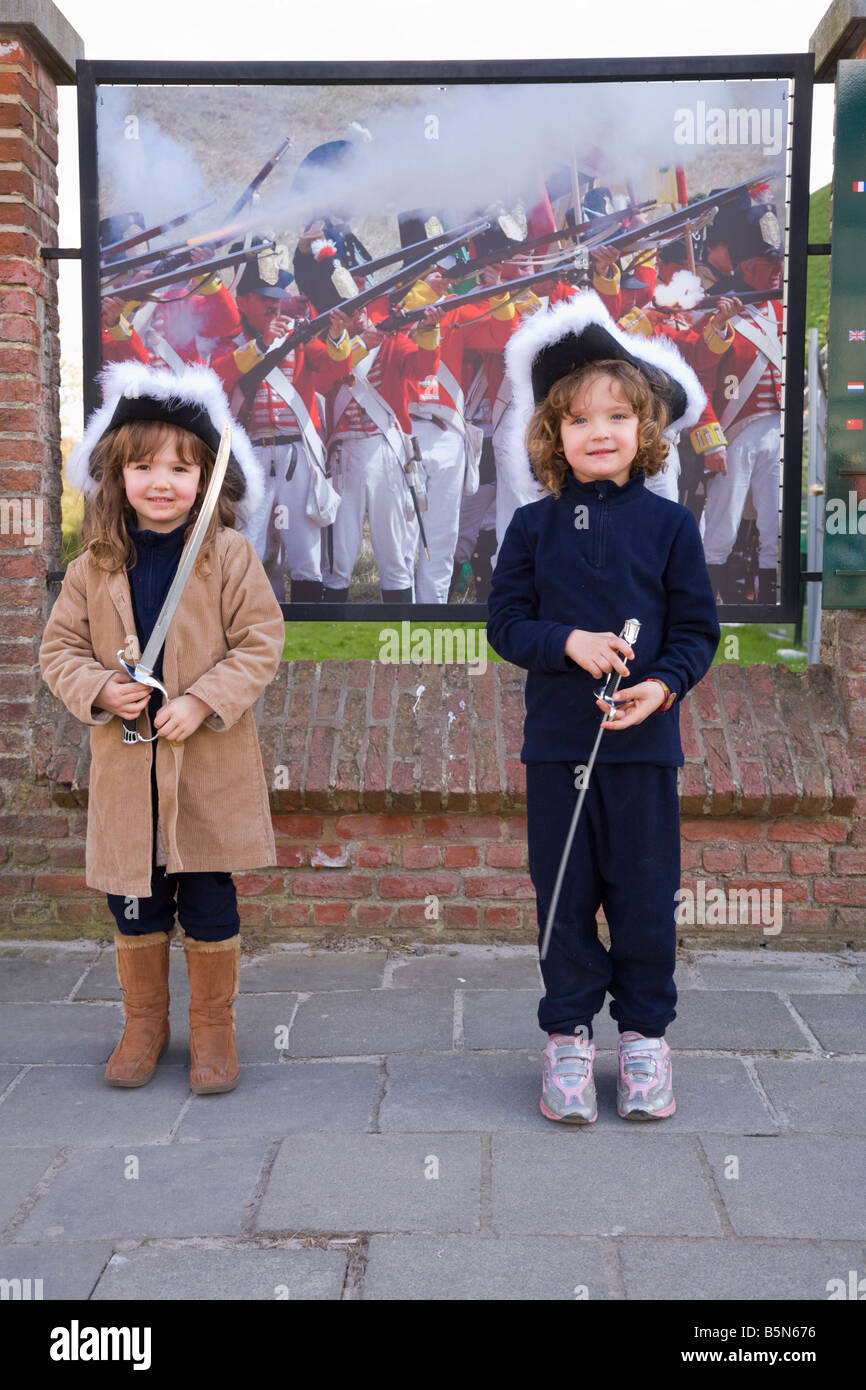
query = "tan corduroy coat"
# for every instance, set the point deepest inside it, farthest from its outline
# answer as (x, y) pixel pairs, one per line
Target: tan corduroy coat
(224, 644)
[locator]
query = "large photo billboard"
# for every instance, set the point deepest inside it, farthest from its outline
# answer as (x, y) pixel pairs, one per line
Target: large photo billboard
(351, 256)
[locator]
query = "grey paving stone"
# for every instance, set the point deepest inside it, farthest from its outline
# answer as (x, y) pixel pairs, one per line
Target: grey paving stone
(776, 970)
(792, 1185)
(838, 1022)
(40, 972)
(509, 1268)
(72, 1106)
(101, 981)
(305, 972)
(262, 1026)
(373, 1182)
(713, 1094)
(484, 1093)
(507, 1019)
(465, 970)
(582, 1182)
(59, 1032)
(8, 1072)
(706, 1020)
(242, 1272)
(472, 1094)
(260, 1023)
(735, 1020)
(357, 1022)
(70, 1271)
(736, 1269)
(181, 1190)
(286, 1099)
(816, 1095)
(20, 1171)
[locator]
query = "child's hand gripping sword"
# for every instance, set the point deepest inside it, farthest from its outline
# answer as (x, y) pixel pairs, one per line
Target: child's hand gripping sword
(629, 632)
(142, 669)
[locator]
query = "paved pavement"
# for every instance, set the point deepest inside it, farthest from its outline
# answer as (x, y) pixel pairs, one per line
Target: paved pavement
(385, 1141)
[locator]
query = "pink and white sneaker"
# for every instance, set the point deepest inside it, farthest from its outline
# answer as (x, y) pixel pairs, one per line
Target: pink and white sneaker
(644, 1088)
(568, 1088)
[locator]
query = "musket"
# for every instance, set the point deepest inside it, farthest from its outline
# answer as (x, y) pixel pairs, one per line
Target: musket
(310, 328)
(405, 253)
(172, 255)
(520, 248)
(255, 184)
(649, 234)
(142, 289)
(744, 296)
(562, 270)
(407, 472)
(150, 232)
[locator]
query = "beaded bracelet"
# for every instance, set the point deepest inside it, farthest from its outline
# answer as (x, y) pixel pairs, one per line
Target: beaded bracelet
(669, 694)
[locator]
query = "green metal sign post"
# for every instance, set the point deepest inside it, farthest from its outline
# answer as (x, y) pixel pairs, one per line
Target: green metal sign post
(845, 505)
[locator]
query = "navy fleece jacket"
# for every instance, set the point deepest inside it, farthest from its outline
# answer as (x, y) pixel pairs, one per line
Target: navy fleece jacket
(591, 558)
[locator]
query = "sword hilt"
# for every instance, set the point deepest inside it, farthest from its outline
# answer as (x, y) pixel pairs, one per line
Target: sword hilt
(630, 632)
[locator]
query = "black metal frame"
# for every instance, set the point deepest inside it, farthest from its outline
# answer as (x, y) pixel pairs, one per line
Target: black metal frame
(797, 66)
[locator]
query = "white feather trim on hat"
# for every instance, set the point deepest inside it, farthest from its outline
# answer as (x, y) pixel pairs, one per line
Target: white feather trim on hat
(544, 329)
(196, 385)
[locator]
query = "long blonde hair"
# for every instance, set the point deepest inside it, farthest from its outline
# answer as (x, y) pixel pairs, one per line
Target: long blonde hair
(108, 515)
(544, 440)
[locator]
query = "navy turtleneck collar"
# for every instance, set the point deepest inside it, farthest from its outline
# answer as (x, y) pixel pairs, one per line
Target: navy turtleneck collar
(152, 539)
(604, 487)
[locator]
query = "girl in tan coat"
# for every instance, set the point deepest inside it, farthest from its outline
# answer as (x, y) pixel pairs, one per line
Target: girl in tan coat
(171, 815)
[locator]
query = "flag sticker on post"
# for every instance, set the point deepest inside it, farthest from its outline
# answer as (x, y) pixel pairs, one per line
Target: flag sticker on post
(854, 424)
(859, 186)
(855, 386)
(857, 335)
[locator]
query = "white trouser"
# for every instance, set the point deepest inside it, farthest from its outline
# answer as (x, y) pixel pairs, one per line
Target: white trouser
(752, 461)
(367, 475)
(477, 513)
(666, 483)
(287, 536)
(442, 453)
(510, 494)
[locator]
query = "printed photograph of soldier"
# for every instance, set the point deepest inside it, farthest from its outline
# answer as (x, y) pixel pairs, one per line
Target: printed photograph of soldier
(353, 261)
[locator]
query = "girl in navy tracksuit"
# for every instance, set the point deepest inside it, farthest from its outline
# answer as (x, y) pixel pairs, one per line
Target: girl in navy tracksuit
(591, 407)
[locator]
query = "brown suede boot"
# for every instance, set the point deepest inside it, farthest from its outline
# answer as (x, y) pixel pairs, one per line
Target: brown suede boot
(142, 969)
(213, 977)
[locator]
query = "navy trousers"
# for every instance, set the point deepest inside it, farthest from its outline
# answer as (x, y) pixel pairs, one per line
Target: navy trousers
(206, 903)
(625, 858)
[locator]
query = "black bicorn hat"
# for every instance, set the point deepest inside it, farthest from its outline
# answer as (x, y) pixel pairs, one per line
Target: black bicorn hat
(194, 400)
(555, 342)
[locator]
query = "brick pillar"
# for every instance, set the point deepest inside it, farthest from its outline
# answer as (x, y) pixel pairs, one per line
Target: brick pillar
(38, 49)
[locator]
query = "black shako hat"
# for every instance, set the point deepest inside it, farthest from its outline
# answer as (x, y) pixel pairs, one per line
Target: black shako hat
(194, 400)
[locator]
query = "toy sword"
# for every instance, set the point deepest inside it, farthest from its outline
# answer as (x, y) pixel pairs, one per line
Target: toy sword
(142, 669)
(629, 632)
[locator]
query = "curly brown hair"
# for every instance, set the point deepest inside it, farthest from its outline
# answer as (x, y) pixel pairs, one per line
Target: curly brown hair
(108, 515)
(650, 403)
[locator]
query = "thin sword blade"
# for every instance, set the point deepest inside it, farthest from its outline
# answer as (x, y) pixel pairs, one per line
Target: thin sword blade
(567, 850)
(188, 558)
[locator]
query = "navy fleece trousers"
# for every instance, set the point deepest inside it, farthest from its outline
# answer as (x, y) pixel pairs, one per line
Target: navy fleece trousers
(625, 858)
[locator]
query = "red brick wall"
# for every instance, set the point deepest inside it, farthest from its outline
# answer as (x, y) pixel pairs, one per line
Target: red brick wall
(29, 435)
(401, 810)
